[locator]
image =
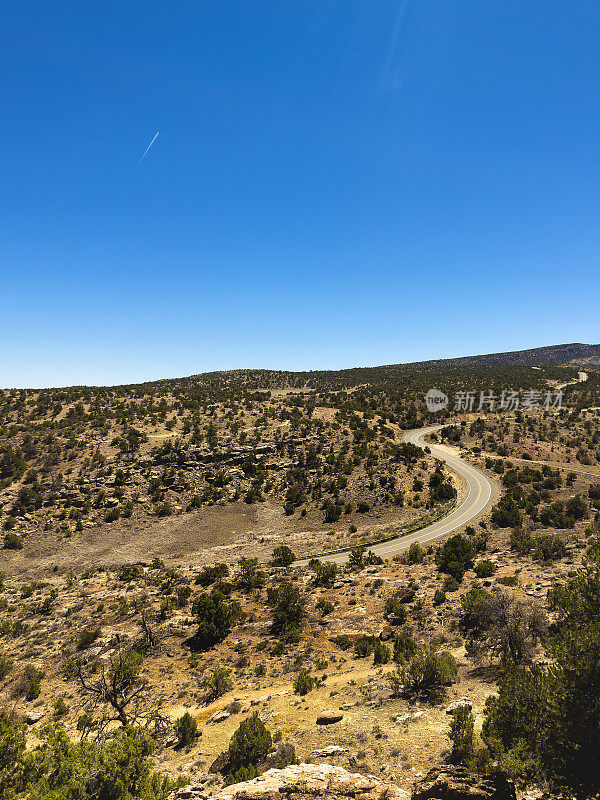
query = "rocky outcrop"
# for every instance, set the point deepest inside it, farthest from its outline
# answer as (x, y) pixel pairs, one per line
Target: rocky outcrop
(456, 783)
(329, 717)
(299, 782)
(308, 781)
(464, 702)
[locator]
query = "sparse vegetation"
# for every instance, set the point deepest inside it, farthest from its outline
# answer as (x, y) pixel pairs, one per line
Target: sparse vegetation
(135, 640)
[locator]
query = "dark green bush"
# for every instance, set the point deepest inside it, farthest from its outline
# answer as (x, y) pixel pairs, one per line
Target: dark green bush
(289, 610)
(283, 556)
(425, 674)
(186, 730)
(462, 728)
(304, 683)
(215, 617)
(87, 637)
(484, 569)
(12, 541)
(249, 744)
(439, 597)
(395, 611)
(455, 557)
(130, 572)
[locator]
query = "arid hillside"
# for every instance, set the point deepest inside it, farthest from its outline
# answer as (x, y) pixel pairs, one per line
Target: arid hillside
(153, 597)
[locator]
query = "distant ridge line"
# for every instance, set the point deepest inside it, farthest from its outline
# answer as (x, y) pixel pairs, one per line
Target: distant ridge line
(567, 355)
(555, 355)
(576, 354)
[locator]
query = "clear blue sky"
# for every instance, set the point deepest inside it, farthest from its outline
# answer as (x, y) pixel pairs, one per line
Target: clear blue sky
(335, 183)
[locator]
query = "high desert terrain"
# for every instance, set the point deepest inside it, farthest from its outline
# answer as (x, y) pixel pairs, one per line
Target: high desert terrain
(168, 589)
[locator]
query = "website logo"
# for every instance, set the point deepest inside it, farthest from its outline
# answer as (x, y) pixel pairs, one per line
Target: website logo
(435, 400)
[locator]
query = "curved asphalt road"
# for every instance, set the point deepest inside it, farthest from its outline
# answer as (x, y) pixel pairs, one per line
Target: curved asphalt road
(478, 497)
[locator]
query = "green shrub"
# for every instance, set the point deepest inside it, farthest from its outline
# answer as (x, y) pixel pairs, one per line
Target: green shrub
(241, 775)
(415, 554)
(304, 683)
(215, 617)
(485, 569)
(381, 653)
(6, 664)
(332, 511)
(30, 683)
(576, 507)
(210, 574)
(61, 709)
(520, 541)
(249, 578)
(404, 647)
(195, 502)
(217, 683)
(364, 646)
(426, 673)
(395, 611)
(289, 610)
(87, 637)
(130, 572)
(501, 626)
(12, 541)
(462, 729)
(508, 580)
(186, 730)
(543, 723)
(343, 641)
(455, 557)
(60, 769)
(439, 597)
(356, 559)
(324, 606)
(548, 547)
(164, 509)
(325, 572)
(249, 744)
(112, 515)
(451, 584)
(506, 514)
(183, 594)
(283, 556)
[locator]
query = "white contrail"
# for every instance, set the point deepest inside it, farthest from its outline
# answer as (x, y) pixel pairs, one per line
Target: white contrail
(393, 46)
(148, 148)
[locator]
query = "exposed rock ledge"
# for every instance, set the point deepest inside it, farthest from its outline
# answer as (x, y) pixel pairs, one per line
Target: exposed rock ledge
(298, 782)
(456, 783)
(309, 781)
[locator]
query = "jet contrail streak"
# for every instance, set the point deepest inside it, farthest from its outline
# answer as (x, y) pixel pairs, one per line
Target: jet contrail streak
(148, 148)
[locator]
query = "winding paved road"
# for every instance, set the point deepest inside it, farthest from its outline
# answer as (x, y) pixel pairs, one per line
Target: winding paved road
(478, 497)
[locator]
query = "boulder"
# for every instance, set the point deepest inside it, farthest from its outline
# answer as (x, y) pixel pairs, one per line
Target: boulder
(330, 750)
(329, 717)
(33, 716)
(219, 716)
(464, 702)
(456, 783)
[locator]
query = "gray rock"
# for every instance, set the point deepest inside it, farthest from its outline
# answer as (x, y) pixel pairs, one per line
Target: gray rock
(464, 702)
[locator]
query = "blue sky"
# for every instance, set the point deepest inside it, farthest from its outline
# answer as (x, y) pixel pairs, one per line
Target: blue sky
(335, 183)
